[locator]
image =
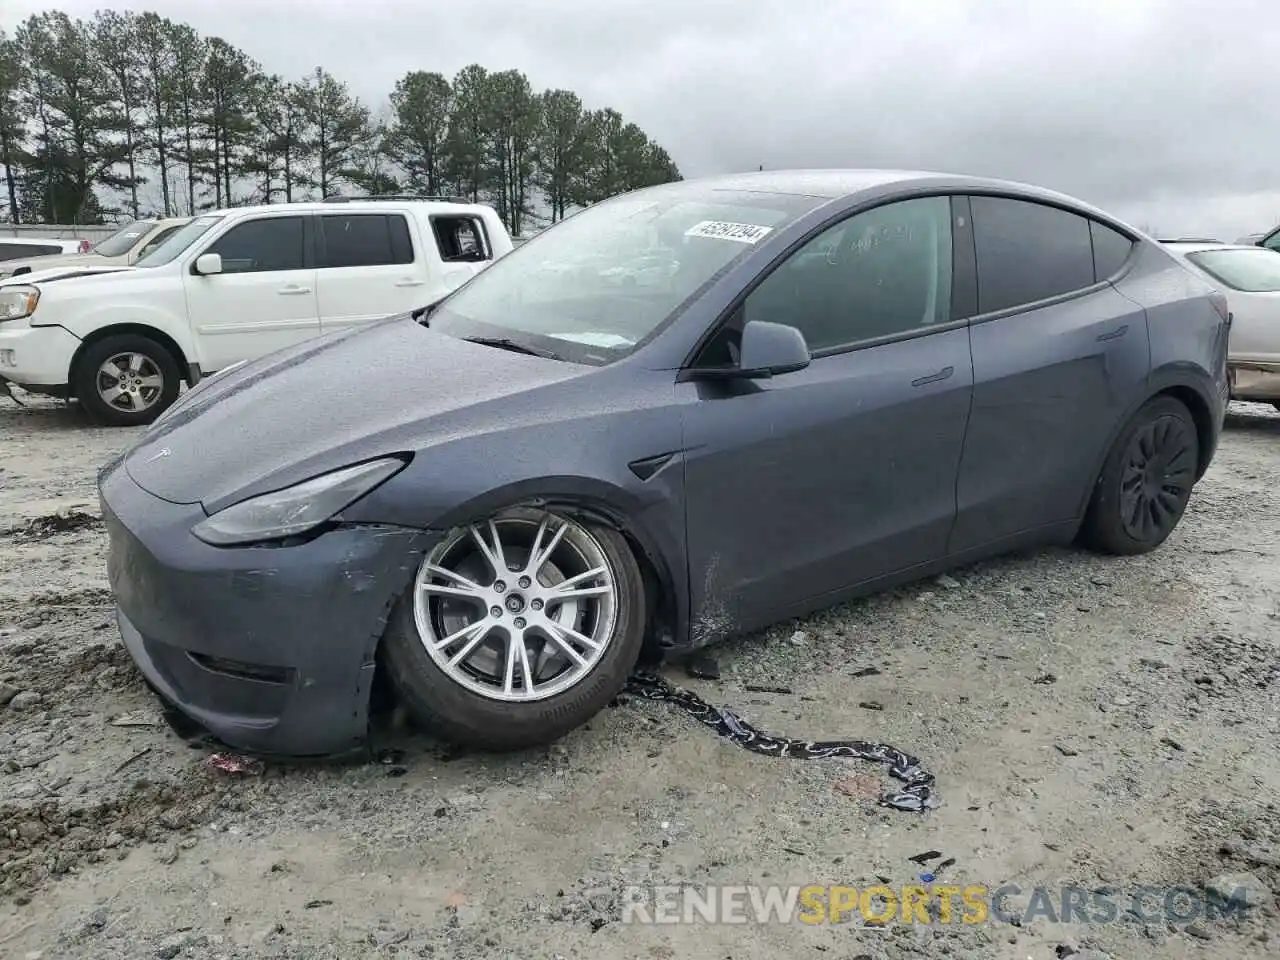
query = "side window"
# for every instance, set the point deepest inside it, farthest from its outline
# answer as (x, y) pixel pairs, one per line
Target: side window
(159, 238)
(259, 246)
(1110, 250)
(1028, 251)
(12, 251)
(461, 239)
(881, 272)
(1271, 241)
(365, 240)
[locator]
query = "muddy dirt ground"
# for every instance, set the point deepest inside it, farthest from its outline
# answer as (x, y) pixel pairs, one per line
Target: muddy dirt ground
(1091, 721)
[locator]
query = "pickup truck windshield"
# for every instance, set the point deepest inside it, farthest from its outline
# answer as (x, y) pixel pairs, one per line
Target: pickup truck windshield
(124, 239)
(594, 286)
(178, 242)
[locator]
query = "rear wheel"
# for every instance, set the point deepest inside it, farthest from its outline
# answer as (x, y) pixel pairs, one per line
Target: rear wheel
(517, 630)
(126, 380)
(1146, 481)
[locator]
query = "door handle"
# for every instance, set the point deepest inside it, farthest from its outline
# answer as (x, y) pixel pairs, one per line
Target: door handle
(293, 291)
(410, 283)
(1115, 334)
(942, 374)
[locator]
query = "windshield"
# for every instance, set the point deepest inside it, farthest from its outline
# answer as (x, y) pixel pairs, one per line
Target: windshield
(178, 242)
(593, 287)
(1250, 271)
(124, 239)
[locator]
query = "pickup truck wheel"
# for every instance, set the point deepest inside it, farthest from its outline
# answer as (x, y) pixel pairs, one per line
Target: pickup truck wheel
(516, 630)
(126, 380)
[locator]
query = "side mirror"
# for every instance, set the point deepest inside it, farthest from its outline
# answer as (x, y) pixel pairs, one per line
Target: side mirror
(208, 263)
(769, 349)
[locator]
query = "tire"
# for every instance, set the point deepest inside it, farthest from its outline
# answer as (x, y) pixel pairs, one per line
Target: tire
(1161, 438)
(466, 704)
(156, 385)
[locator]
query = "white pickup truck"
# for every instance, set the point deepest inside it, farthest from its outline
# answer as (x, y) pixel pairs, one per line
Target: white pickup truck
(234, 285)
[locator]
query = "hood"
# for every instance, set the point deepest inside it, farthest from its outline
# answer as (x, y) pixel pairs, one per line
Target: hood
(328, 402)
(56, 260)
(68, 272)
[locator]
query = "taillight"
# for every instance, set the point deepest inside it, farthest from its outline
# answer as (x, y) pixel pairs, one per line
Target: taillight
(84, 246)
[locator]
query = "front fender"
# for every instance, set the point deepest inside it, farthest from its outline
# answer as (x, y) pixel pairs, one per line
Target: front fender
(87, 319)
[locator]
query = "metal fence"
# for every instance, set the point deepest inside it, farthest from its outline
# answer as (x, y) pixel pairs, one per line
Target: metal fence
(58, 231)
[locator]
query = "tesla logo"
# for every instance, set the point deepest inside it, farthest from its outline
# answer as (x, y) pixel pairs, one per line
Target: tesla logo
(159, 456)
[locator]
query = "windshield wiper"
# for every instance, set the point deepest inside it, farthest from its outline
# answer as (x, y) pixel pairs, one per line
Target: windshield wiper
(505, 343)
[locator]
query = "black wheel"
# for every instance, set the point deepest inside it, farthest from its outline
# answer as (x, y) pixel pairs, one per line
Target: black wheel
(126, 380)
(517, 630)
(1146, 481)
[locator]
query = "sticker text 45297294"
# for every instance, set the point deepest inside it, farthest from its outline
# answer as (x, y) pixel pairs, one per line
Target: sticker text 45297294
(723, 230)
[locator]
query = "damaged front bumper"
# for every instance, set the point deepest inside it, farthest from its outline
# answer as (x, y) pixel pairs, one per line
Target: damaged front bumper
(271, 649)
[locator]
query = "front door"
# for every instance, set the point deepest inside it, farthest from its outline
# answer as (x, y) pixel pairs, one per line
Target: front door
(801, 486)
(265, 297)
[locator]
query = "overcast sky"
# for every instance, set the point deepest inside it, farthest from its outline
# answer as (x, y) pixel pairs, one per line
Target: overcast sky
(1162, 111)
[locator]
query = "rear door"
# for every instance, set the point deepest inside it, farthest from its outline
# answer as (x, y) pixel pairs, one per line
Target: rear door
(369, 267)
(1058, 356)
(265, 297)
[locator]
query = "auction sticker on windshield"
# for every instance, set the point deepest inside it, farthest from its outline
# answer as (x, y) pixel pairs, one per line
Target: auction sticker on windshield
(722, 230)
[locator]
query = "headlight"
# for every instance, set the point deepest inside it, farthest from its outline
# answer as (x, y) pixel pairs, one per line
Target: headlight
(18, 302)
(297, 509)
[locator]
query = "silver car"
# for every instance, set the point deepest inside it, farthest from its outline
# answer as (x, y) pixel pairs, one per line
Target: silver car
(1250, 278)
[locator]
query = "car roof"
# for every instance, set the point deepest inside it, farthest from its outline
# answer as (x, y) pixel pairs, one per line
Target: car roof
(835, 184)
(350, 205)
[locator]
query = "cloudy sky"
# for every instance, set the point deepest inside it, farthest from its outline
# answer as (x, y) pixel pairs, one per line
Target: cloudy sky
(1160, 110)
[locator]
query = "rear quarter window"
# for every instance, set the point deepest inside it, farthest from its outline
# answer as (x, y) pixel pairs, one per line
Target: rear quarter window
(1110, 250)
(461, 239)
(1028, 252)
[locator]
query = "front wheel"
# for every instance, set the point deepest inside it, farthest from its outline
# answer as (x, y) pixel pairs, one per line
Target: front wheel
(517, 630)
(1146, 480)
(126, 380)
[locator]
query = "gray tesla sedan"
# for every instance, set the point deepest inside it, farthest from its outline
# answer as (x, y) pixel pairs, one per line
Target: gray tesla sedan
(821, 383)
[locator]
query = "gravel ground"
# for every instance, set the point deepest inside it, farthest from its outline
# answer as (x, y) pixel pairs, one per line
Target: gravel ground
(1091, 721)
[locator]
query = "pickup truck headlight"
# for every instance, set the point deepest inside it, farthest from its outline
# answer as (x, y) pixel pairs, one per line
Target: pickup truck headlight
(297, 509)
(18, 302)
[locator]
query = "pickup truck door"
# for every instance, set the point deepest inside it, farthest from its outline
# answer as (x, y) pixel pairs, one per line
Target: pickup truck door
(369, 267)
(265, 297)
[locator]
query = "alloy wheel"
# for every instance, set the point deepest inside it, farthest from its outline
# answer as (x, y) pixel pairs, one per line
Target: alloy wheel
(130, 381)
(519, 608)
(1158, 474)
